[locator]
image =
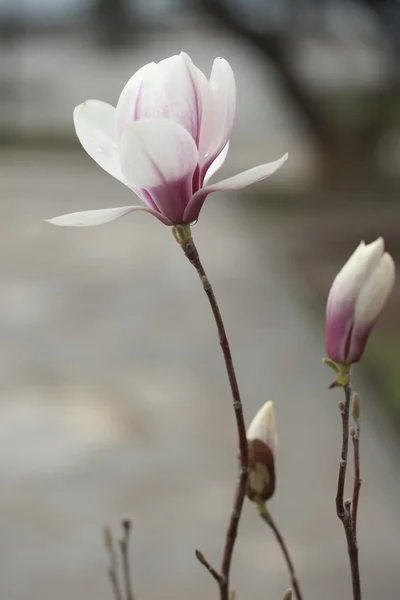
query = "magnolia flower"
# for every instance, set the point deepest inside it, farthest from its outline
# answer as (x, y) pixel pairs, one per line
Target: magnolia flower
(167, 136)
(262, 442)
(355, 301)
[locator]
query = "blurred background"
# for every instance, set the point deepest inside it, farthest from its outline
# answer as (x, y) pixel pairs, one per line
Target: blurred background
(114, 397)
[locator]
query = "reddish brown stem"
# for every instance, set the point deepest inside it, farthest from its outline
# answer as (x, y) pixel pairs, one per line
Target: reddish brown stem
(191, 253)
(202, 559)
(266, 516)
(343, 508)
(357, 479)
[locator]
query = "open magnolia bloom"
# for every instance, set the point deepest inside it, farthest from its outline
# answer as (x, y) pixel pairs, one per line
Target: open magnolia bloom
(356, 299)
(167, 136)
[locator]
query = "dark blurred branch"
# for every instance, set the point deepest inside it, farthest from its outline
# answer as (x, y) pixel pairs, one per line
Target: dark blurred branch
(387, 14)
(112, 20)
(274, 47)
(339, 145)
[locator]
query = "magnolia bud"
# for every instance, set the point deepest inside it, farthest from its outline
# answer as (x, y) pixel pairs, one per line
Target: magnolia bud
(262, 442)
(288, 594)
(355, 301)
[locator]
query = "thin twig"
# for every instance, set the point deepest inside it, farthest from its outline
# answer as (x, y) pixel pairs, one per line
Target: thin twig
(113, 565)
(124, 545)
(202, 559)
(356, 451)
(184, 238)
(357, 483)
(343, 508)
(266, 516)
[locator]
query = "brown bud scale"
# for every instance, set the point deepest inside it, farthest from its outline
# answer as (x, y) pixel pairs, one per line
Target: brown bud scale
(261, 483)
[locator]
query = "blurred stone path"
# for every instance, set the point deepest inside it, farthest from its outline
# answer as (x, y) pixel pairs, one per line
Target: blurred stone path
(114, 400)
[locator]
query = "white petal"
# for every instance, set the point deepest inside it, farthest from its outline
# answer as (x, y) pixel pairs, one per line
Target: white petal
(217, 164)
(169, 90)
(246, 178)
(365, 257)
(95, 127)
(90, 218)
(183, 93)
(374, 292)
(232, 183)
(223, 87)
(154, 152)
(263, 427)
(129, 100)
(207, 116)
(350, 280)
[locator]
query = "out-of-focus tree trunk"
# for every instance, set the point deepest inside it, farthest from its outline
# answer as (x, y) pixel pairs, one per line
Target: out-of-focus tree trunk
(347, 154)
(111, 17)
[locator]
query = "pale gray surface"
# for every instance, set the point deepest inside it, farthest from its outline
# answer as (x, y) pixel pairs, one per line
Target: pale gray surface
(114, 400)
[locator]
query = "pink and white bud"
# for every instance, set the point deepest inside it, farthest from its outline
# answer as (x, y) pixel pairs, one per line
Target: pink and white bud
(168, 134)
(355, 301)
(262, 442)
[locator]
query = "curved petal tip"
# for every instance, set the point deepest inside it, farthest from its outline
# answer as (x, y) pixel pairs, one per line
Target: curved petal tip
(91, 218)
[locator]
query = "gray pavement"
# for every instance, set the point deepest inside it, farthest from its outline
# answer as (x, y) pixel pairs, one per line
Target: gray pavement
(114, 400)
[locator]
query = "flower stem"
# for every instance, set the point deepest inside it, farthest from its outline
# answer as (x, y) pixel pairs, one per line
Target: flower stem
(355, 434)
(183, 236)
(343, 507)
(266, 516)
(357, 482)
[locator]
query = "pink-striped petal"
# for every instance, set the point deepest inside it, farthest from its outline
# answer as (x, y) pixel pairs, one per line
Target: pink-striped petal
(160, 156)
(91, 218)
(169, 90)
(133, 93)
(342, 300)
(339, 329)
(95, 127)
(184, 94)
(232, 183)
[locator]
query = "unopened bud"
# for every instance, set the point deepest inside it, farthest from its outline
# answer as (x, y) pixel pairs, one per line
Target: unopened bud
(356, 410)
(288, 594)
(262, 442)
(356, 299)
